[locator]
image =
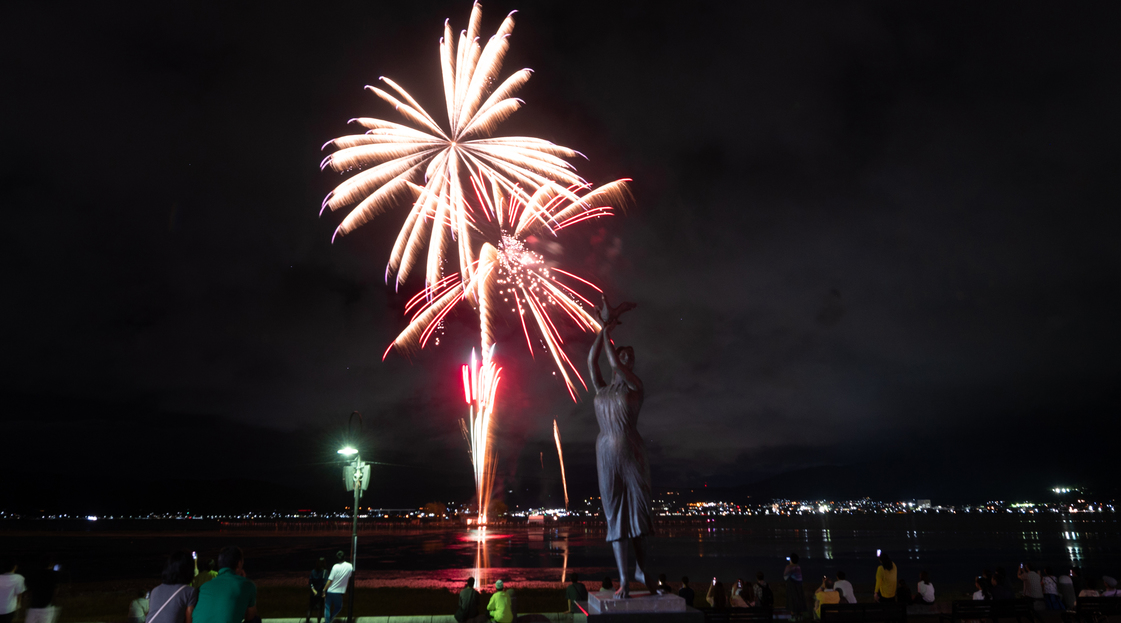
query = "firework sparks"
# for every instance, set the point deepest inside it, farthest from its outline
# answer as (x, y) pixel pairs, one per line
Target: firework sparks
(509, 273)
(431, 165)
(480, 384)
(560, 455)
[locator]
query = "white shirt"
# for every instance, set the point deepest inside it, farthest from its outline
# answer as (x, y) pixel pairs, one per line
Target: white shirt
(927, 592)
(340, 576)
(846, 588)
(11, 587)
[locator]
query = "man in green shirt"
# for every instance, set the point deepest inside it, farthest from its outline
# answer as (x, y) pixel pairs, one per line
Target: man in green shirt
(499, 606)
(575, 592)
(229, 597)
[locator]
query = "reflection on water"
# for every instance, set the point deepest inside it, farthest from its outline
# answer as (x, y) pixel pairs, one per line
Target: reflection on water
(952, 548)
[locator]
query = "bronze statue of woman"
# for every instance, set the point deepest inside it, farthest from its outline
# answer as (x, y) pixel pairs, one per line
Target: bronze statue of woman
(624, 475)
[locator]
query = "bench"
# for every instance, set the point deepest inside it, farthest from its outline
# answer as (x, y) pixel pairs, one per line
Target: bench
(1018, 609)
(968, 609)
(864, 613)
(1094, 609)
(732, 615)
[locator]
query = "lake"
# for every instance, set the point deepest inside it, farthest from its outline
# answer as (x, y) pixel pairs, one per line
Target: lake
(952, 547)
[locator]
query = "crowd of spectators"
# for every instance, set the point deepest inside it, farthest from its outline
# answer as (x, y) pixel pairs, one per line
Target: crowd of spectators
(1048, 590)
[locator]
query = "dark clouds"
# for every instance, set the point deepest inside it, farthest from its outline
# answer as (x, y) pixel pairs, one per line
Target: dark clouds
(856, 227)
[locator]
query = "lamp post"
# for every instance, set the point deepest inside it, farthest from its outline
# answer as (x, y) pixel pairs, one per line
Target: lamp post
(356, 475)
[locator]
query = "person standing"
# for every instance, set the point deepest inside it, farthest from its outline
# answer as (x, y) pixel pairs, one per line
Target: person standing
(575, 592)
(468, 602)
(12, 588)
(499, 606)
(174, 600)
(1033, 585)
(886, 581)
(41, 587)
(1066, 589)
(337, 584)
(844, 587)
(686, 593)
(1050, 586)
(317, 582)
(230, 597)
(795, 595)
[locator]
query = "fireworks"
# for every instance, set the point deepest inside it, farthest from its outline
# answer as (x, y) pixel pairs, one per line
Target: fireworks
(509, 273)
(560, 455)
(480, 384)
(491, 197)
(431, 164)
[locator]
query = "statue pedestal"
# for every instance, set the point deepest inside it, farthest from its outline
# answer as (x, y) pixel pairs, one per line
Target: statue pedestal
(640, 606)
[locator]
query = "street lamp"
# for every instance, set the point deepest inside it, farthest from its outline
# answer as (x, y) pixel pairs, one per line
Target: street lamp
(356, 476)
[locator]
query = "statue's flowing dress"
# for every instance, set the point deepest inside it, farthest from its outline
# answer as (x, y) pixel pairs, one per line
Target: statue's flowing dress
(624, 474)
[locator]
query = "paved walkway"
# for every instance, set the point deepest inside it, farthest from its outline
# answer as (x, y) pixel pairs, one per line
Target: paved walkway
(547, 617)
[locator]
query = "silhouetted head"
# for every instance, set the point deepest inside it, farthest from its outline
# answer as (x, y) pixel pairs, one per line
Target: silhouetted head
(625, 355)
(685, 580)
(321, 564)
(230, 557)
(180, 569)
(794, 559)
(885, 561)
(840, 575)
(470, 582)
(924, 577)
(575, 577)
(340, 556)
(607, 585)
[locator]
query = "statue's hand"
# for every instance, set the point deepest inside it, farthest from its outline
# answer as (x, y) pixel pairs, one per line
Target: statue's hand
(610, 315)
(604, 309)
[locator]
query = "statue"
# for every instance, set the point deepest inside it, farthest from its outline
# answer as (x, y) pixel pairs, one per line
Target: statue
(624, 475)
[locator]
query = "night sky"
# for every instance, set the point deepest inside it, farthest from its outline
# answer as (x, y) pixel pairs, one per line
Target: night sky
(874, 249)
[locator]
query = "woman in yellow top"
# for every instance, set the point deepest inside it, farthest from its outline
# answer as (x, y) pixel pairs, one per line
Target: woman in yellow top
(886, 579)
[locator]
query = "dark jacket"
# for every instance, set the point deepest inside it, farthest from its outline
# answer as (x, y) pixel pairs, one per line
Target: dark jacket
(468, 604)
